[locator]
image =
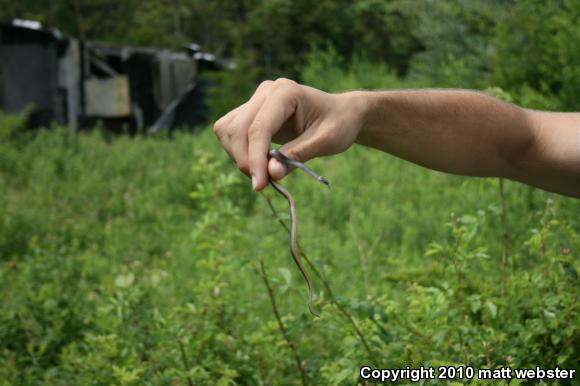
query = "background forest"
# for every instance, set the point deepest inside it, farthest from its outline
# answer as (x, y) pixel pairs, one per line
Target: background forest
(136, 261)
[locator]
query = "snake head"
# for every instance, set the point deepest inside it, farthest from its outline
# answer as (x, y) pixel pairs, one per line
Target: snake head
(324, 181)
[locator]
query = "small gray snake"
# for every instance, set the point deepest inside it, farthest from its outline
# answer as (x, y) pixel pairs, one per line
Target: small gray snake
(275, 153)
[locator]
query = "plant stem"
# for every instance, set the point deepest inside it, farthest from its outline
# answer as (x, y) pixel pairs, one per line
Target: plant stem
(185, 361)
(505, 240)
(326, 285)
(457, 266)
(281, 325)
(364, 261)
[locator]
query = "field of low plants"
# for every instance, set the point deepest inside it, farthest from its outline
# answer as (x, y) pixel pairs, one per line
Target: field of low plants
(150, 261)
(136, 261)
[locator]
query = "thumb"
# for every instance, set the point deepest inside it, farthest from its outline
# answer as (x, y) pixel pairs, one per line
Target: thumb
(300, 149)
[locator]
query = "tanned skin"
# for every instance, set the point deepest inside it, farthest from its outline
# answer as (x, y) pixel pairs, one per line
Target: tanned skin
(454, 131)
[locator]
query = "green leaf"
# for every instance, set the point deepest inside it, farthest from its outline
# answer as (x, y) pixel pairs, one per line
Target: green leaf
(125, 280)
(286, 274)
(491, 308)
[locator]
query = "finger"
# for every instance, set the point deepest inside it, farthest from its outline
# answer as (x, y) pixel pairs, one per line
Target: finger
(221, 132)
(221, 124)
(278, 170)
(224, 122)
(226, 144)
(239, 126)
(303, 148)
(238, 148)
(278, 107)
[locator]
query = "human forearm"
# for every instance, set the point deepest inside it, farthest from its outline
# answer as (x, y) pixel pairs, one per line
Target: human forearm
(470, 133)
(455, 131)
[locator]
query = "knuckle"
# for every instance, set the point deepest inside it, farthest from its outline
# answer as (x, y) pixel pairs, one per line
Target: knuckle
(286, 91)
(223, 131)
(264, 85)
(218, 128)
(285, 83)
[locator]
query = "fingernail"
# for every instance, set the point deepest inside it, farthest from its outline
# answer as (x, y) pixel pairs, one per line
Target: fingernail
(254, 182)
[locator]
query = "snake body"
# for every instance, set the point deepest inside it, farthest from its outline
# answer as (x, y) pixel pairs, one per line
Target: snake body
(293, 218)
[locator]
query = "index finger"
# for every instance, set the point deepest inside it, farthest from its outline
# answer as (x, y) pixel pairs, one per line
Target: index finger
(276, 110)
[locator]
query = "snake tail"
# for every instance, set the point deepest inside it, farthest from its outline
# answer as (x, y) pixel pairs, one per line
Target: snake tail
(293, 243)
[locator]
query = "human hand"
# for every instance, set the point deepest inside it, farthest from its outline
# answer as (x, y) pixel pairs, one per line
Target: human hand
(308, 122)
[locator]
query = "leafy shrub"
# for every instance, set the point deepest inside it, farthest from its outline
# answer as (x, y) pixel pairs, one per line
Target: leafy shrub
(326, 70)
(123, 264)
(533, 49)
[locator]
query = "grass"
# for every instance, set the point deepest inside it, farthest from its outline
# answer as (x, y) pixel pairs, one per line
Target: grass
(136, 261)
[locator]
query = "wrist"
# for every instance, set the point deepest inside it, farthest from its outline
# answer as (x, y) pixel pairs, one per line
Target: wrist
(358, 105)
(366, 106)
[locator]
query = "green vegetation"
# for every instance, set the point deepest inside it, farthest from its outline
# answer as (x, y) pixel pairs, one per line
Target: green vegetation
(136, 261)
(529, 47)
